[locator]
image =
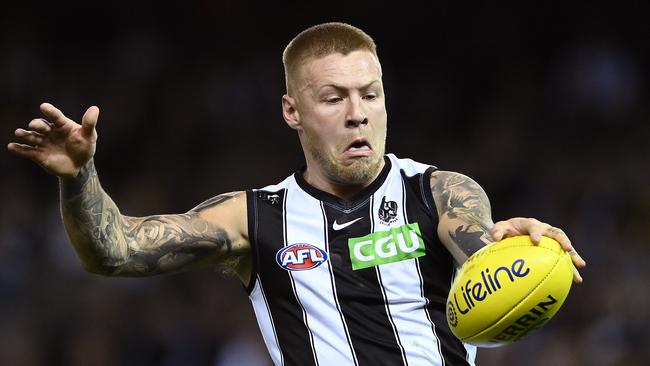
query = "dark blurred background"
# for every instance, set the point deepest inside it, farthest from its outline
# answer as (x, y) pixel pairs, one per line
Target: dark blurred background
(546, 106)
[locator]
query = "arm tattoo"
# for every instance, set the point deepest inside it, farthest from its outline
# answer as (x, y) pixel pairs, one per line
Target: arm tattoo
(112, 244)
(164, 244)
(464, 205)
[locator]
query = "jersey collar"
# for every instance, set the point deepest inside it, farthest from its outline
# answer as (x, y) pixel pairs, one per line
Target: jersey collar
(359, 198)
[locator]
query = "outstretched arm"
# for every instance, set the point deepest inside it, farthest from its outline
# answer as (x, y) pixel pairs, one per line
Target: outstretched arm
(110, 243)
(113, 244)
(465, 221)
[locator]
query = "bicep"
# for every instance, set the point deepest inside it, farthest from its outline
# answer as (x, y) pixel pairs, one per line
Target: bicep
(205, 236)
(464, 213)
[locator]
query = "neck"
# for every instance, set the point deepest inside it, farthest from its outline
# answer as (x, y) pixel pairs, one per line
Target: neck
(346, 191)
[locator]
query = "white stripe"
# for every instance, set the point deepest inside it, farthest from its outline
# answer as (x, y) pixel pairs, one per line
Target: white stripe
(265, 322)
(403, 287)
(471, 353)
(293, 285)
(313, 287)
(426, 311)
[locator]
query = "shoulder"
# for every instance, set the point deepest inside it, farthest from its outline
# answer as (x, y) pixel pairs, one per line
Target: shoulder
(443, 178)
(409, 166)
(228, 210)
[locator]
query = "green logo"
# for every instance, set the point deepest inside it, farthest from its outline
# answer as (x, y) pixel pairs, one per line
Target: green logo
(395, 245)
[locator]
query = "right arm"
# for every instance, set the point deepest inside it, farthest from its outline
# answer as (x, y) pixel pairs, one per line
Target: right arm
(113, 244)
(109, 243)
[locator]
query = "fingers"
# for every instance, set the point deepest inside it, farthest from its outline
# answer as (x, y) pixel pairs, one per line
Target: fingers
(500, 230)
(55, 115)
(536, 232)
(28, 151)
(575, 257)
(89, 121)
(514, 226)
(576, 276)
(536, 229)
(40, 125)
(559, 235)
(29, 137)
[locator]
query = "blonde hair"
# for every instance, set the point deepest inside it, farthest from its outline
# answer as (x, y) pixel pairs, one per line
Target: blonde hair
(319, 41)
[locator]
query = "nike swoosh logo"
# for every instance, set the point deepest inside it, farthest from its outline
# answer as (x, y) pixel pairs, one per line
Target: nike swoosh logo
(337, 226)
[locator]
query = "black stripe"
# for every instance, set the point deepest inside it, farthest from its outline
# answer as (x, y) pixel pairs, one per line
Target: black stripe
(275, 333)
(334, 294)
(406, 179)
(425, 191)
(436, 267)
(251, 208)
(360, 294)
(293, 335)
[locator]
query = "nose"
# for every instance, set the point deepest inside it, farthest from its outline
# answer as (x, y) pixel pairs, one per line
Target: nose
(356, 116)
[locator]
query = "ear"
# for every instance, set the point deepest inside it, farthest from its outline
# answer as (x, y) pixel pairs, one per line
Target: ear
(290, 112)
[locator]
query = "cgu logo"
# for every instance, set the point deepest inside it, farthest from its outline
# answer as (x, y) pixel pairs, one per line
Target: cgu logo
(383, 247)
(300, 257)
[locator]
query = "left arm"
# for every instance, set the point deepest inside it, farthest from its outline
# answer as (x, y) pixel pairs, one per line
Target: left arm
(465, 221)
(464, 214)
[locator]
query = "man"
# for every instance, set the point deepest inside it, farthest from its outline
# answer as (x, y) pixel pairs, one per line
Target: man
(347, 262)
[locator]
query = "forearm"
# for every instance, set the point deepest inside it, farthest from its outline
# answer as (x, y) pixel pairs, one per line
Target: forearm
(465, 237)
(464, 214)
(93, 222)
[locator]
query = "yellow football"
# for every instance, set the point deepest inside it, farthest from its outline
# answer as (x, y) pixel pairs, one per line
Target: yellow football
(508, 289)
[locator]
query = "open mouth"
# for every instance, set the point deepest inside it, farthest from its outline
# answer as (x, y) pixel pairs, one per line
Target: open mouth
(359, 145)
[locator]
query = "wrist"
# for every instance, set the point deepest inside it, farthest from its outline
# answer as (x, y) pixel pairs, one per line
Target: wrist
(81, 176)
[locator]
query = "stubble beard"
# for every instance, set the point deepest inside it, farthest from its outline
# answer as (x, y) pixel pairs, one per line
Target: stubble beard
(362, 171)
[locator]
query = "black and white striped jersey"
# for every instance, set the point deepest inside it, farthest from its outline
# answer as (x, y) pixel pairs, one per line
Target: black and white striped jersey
(361, 282)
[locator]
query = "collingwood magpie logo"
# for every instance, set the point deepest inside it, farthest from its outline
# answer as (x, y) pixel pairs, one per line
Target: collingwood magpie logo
(387, 211)
(272, 198)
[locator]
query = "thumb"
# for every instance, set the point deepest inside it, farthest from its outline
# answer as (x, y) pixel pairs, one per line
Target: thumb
(89, 121)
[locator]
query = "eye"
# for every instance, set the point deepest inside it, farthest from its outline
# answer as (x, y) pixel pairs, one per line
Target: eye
(370, 96)
(333, 100)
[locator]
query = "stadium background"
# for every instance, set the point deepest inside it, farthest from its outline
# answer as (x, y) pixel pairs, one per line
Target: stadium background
(546, 106)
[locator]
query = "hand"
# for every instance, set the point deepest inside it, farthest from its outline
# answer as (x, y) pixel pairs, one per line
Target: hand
(536, 228)
(60, 146)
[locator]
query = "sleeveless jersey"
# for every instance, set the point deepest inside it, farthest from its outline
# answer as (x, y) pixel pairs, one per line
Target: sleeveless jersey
(361, 282)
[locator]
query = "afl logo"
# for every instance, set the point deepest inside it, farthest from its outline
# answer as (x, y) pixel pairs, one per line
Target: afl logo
(300, 257)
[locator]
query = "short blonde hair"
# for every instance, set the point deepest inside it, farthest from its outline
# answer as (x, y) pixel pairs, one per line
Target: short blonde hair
(319, 41)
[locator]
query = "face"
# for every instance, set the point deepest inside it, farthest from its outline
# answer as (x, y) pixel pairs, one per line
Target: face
(339, 112)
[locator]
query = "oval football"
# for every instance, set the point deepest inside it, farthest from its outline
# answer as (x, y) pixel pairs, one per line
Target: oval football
(507, 290)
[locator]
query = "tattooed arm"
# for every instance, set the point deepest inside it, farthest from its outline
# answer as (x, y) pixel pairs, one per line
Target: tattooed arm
(110, 243)
(113, 244)
(465, 220)
(464, 213)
